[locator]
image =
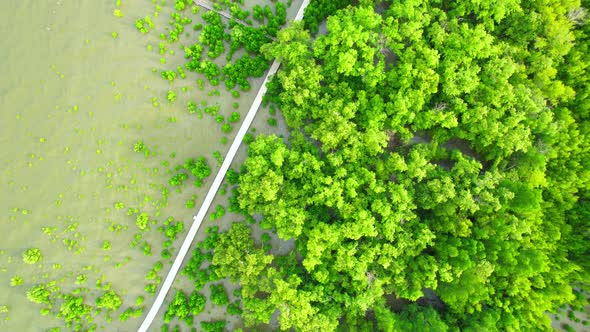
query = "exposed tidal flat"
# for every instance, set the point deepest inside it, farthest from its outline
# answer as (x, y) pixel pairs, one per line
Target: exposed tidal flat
(78, 90)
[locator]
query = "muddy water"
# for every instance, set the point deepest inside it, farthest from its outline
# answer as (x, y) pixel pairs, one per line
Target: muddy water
(73, 101)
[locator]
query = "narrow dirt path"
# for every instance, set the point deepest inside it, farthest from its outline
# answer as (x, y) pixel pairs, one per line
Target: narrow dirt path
(198, 218)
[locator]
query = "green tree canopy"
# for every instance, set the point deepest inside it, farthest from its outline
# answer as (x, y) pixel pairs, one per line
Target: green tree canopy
(438, 155)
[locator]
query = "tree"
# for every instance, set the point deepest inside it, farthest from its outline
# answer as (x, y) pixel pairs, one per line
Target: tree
(236, 257)
(437, 155)
(109, 300)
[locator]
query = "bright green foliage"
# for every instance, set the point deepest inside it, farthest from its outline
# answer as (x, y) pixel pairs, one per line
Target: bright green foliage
(139, 301)
(218, 213)
(144, 24)
(265, 237)
(194, 54)
(177, 179)
(130, 312)
(191, 107)
(319, 10)
(39, 294)
(273, 21)
(169, 75)
(248, 37)
(234, 308)
(177, 24)
(146, 248)
(208, 68)
(142, 221)
(32, 256)
(166, 254)
(190, 203)
(212, 38)
(81, 279)
(231, 250)
(184, 308)
(234, 117)
(248, 138)
(171, 96)
(213, 326)
(232, 176)
(196, 303)
(109, 300)
(140, 147)
(202, 253)
(194, 264)
(75, 312)
(218, 295)
(237, 12)
(151, 275)
(151, 288)
(246, 66)
(16, 281)
(201, 277)
(278, 20)
(178, 307)
(438, 156)
(212, 238)
(180, 5)
(197, 167)
(171, 229)
(182, 74)
(212, 34)
(258, 13)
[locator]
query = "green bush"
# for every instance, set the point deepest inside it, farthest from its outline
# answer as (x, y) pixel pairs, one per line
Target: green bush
(109, 300)
(219, 212)
(16, 281)
(218, 295)
(213, 326)
(39, 294)
(32, 256)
